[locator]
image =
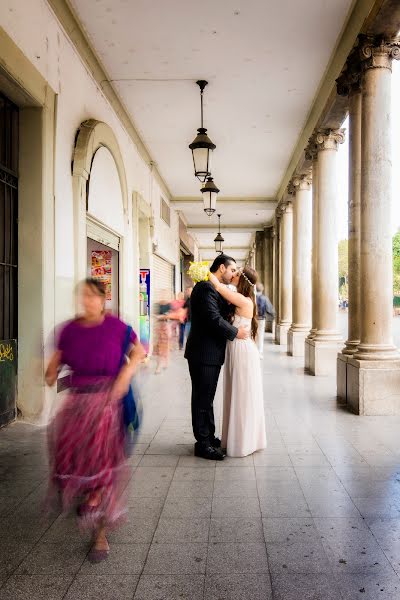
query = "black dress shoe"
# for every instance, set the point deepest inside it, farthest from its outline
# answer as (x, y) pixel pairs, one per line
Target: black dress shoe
(208, 452)
(216, 443)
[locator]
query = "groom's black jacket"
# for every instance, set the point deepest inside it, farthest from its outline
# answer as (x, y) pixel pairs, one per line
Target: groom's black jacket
(209, 330)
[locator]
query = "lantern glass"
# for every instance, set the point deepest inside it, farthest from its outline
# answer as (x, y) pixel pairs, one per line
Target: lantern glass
(210, 192)
(201, 162)
(210, 202)
(202, 148)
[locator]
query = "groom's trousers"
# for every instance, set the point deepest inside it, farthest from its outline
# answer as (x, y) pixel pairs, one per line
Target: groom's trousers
(204, 385)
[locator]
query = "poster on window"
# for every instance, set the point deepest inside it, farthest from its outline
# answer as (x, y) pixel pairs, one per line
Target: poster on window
(144, 308)
(102, 269)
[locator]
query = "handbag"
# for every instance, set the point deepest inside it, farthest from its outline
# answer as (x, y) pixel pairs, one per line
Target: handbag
(130, 412)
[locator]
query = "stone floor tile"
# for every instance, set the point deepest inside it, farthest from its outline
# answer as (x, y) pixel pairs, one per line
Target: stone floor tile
(186, 508)
(153, 473)
(238, 587)
(239, 474)
(194, 462)
(90, 586)
(36, 587)
(236, 558)
(290, 531)
(272, 460)
(194, 474)
(291, 506)
(170, 587)
(291, 586)
(245, 461)
(276, 474)
(370, 507)
(309, 460)
(159, 460)
(174, 449)
(145, 506)
(191, 489)
(239, 530)
(306, 556)
(235, 507)
(150, 487)
(176, 559)
(48, 558)
(175, 531)
(370, 586)
(138, 530)
(231, 489)
(124, 559)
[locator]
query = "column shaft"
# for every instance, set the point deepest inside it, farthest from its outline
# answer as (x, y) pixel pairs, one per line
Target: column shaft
(285, 317)
(301, 289)
(326, 341)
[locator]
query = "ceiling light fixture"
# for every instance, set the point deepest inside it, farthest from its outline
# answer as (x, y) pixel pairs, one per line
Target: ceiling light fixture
(219, 240)
(202, 146)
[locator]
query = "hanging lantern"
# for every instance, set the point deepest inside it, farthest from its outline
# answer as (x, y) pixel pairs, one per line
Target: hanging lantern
(210, 192)
(202, 146)
(219, 240)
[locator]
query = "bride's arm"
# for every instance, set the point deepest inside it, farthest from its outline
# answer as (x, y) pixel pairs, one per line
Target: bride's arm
(232, 297)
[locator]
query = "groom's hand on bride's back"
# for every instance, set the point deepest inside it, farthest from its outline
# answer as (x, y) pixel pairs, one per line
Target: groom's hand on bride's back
(243, 333)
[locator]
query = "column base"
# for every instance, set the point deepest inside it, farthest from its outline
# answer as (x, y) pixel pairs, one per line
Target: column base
(307, 354)
(296, 342)
(373, 387)
(281, 334)
(341, 378)
(323, 355)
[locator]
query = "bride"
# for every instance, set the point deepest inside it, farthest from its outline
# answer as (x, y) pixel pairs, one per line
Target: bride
(243, 424)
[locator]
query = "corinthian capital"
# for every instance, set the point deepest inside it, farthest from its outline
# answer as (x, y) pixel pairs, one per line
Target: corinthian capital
(329, 139)
(302, 181)
(378, 52)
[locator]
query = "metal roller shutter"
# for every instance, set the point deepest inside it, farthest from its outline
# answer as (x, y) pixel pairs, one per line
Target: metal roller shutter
(97, 233)
(163, 278)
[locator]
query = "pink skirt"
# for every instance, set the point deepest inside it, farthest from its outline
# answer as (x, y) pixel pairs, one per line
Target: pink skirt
(87, 454)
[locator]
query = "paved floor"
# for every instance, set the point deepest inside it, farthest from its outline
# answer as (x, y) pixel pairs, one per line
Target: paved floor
(314, 517)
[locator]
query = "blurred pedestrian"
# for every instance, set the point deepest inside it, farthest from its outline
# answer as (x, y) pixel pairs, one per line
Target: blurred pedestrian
(265, 311)
(162, 332)
(87, 434)
(185, 330)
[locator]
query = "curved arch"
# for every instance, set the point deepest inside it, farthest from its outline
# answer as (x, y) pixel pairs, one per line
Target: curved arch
(91, 136)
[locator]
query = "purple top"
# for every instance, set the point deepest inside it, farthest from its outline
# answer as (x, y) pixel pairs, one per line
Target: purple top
(93, 351)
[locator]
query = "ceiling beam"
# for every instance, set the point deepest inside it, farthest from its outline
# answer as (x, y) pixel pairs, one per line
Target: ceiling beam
(226, 228)
(182, 203)
(201, 248)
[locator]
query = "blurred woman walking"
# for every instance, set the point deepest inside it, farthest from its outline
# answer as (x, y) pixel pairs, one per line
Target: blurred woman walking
(87, 435)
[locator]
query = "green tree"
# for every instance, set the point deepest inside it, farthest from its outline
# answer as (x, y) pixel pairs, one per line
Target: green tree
(396, 264)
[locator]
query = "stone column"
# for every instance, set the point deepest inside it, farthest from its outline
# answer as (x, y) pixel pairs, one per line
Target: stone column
(274, 274)
(311, 153)
(301, 289)
(348, 84)
(373, 374)
(278, 270)
(327, 341)
(285, 316)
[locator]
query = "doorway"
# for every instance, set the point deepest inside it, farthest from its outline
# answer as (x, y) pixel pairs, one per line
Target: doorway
(9, 156)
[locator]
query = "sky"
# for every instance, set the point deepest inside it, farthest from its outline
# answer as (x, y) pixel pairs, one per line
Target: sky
(343, 158)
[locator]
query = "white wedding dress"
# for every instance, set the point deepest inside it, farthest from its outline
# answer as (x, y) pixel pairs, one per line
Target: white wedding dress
(243, 422)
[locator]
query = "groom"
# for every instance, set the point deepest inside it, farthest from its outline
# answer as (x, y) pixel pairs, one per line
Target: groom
(205, 353)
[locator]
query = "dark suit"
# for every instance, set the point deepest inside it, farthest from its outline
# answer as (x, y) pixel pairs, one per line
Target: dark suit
(205, 352)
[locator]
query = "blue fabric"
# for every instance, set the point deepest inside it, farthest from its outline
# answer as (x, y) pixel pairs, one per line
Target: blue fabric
(130, 413)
